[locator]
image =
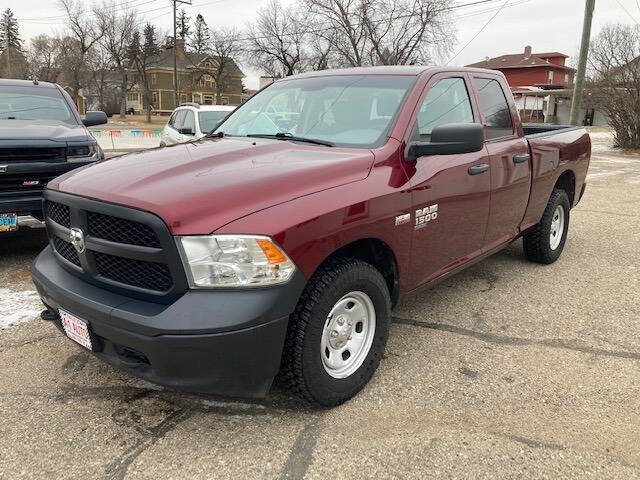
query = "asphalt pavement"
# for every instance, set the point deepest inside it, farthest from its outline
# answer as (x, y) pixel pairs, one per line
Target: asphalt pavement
(507, 370)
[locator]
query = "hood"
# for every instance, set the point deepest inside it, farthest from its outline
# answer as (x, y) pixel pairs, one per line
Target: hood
(198, 187)
(37, 130)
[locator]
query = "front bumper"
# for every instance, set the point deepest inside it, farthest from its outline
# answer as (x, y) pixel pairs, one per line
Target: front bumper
(215, 341)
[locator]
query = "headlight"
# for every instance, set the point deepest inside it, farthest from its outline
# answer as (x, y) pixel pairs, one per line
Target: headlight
(83, 153)
(234, 261)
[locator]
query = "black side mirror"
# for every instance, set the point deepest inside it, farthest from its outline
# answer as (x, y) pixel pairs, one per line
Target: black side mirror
(449, 139)
(186, 131)
(94, 118)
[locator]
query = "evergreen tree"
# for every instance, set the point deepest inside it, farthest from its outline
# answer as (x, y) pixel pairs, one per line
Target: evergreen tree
(141, 56)
(182, 25)
(200, 38)
(12, 60)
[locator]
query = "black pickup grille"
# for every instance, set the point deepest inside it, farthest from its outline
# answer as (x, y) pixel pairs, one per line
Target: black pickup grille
(150, 275)
(33, 154)
(125, 249)
(121, 230)
(59, 213)
(66, 251)
(21, 184)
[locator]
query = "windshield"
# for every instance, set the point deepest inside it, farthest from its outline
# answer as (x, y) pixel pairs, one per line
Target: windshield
(209, 119)
(34, 103)
(345, 110)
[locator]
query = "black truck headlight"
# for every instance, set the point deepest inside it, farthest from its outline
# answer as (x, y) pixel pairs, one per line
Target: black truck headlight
(83, 153)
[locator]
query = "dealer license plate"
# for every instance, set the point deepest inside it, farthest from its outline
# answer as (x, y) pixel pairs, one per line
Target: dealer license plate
(76, 329)
(8, 222)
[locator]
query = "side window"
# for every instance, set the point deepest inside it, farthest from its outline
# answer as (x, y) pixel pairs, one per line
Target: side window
(494, 107)
(446, 102)
(189, 121)
(172, 119)
(179, 119)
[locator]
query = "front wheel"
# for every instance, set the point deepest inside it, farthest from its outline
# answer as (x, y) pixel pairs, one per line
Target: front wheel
(338, 332)
(544, 244)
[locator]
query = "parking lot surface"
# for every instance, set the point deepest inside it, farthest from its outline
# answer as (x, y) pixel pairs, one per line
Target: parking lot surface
(506, 370)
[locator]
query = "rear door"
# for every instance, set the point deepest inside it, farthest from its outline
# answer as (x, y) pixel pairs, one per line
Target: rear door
(451, 199)
(510, 161)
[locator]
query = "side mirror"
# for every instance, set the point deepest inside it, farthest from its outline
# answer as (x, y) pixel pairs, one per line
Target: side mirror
(449, 139)
(94, 118)
(186, 131)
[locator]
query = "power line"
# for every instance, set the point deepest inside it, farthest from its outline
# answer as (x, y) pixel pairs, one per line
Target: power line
(628, 12)
(478, 33)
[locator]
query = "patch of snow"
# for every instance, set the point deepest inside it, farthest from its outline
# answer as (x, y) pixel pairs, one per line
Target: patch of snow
(18, 307)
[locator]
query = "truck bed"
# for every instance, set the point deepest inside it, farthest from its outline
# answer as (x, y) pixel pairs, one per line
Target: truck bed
(554, 150)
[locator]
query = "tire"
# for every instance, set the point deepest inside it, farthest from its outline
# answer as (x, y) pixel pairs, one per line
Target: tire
(540, 244)
(162, 145)
(340, 285)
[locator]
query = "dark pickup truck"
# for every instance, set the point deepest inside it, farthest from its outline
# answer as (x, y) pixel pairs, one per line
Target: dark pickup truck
(279, 244)
(41, 137)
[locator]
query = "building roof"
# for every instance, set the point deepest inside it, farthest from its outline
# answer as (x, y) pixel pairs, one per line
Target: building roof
(521, 60)
(188, 61)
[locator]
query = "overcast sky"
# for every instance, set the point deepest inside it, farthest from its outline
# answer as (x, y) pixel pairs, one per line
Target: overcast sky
(546, 25)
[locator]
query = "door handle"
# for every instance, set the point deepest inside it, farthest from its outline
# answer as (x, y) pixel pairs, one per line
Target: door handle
(478, 169)
(521, 158)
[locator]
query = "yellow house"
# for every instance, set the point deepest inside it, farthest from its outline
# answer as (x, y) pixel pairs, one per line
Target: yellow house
(196, 81)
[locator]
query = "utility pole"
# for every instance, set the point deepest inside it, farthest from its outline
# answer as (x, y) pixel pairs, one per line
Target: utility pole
(578, 86)
(175, 52)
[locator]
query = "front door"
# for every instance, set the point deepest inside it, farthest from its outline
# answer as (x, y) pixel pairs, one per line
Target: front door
(450, 193)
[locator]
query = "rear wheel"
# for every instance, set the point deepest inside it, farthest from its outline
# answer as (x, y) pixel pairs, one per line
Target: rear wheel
(338, 332)
(544, 244)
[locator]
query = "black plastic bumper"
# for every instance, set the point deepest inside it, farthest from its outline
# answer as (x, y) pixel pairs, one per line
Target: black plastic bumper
(216, 341)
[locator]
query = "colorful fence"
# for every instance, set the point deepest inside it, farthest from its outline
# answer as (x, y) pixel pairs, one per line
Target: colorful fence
(127, 138)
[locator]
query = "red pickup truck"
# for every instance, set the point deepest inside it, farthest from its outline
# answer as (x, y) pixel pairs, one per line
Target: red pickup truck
(279, 244)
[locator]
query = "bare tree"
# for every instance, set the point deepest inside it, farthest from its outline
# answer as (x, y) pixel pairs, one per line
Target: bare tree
(118, 26)
(226, 46)
(83, 34)
(404, 32)
(342, 24)
(276, 40)
(43, 58)
(614, 61)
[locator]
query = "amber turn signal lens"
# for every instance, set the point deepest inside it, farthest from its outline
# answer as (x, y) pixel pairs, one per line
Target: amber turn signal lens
(273, 253)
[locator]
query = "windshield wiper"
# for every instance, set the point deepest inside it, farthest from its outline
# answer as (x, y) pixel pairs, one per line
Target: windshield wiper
(289, 136)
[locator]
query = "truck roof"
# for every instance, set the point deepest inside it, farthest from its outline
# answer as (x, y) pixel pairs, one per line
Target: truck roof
(9, 82)
(413, 70)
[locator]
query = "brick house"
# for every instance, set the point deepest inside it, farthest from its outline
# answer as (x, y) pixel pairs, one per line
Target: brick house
(196, 73)
(527, 69)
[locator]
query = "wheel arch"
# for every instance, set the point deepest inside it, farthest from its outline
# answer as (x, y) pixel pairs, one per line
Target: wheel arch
(375, 252)
(567, 182)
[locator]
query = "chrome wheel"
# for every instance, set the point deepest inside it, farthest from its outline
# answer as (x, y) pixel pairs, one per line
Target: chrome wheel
(348, 334)
(557, 227)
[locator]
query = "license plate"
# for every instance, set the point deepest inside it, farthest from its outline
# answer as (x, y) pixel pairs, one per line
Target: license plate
(8, 222)
(76, 329)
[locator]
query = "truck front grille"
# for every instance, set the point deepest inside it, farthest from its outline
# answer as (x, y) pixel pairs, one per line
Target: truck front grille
(19, 185)
(149, 275)
(126, 250)
(33, 154)
(121, 230)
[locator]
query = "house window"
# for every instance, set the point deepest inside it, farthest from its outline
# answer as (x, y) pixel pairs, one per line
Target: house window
(196, 98)
(208, 99)
(551, 76)
(224, 100)
(154, 79)
(133, 97)
(183, 98)
(566, 78)
(155, 99)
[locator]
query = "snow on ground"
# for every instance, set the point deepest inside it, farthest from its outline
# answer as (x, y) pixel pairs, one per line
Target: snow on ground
(18, 307)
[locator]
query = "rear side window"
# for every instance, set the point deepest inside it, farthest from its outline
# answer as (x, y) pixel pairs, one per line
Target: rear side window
(494, 108)
(189, 121)
(178, 119)
(446, 102)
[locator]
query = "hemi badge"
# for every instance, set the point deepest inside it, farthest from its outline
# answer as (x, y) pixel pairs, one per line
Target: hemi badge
(4, 168)
(30, 183)
(402, 219)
